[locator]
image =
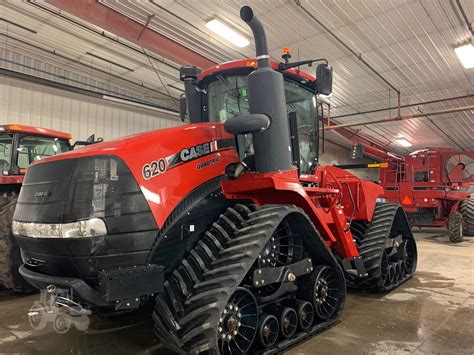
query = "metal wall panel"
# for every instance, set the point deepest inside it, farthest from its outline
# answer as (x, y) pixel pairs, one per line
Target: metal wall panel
(37, 105)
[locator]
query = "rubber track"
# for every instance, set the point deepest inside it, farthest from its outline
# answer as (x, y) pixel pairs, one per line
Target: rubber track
(10, 259)
(187, 313)
(371, 240)
(467, 211)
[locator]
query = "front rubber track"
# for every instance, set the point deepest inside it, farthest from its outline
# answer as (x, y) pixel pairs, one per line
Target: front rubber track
(389, 220)
(186, 314)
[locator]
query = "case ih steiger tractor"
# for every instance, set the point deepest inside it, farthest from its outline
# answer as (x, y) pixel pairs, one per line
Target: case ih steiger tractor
(20, 146)
(433, 185)
(227, 223)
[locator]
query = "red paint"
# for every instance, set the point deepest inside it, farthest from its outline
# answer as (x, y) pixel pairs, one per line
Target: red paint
(110, 20)
(11, 179)
(38, 131)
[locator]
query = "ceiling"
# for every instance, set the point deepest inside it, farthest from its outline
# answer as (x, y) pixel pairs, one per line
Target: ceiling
(409, 43)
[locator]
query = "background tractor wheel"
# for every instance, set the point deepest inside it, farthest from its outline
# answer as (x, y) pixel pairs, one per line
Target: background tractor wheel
(455, 230)
(10, 258)
(467, 211)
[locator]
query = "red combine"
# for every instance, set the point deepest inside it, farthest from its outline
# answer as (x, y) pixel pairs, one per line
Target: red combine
(227, 224)
(20, 146)
(433, 185)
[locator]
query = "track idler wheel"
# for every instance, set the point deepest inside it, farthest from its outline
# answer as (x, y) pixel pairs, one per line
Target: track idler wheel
(268, 330)
(305, 315)
(324, 291)
(238, 323)
(288, 322)
(398, 271)
(403, 267)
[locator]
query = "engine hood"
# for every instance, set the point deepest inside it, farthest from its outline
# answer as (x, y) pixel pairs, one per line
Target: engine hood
(166, 165)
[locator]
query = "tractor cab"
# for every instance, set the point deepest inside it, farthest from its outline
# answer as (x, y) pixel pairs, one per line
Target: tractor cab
(220, 93)
(22, 145)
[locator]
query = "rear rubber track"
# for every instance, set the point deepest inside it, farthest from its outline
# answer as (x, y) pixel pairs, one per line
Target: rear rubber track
(188, 312)
(373, 240)
(467, 211)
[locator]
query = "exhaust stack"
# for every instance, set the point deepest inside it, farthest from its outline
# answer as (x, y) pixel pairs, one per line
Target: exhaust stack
(266, 94)
(246, 14)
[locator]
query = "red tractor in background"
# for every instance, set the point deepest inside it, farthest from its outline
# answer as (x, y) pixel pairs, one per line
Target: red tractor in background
(227, 224)
(433, 185)
(21, 146)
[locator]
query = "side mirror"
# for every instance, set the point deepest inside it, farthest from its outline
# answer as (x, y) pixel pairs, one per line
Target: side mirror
(91, 139)
(183, 107)
(324, 79)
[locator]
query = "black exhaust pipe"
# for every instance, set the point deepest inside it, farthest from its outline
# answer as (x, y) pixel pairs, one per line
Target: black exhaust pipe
(267, 96)
(246, 14)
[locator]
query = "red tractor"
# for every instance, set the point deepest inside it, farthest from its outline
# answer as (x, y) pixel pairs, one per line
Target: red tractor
(227, 223)
(433, 185)
(20, 146)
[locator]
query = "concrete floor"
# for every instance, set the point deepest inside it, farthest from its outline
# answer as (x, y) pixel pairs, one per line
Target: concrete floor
(431, 313)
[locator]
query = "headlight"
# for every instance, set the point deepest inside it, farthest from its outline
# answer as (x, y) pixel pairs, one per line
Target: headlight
(381, 199)
(94, 227)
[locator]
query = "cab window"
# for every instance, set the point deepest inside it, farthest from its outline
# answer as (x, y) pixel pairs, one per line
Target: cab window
(5, 151)
(33, 148)
(227, 98)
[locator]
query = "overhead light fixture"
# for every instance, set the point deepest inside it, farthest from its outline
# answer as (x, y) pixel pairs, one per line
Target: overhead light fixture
(403, 142)
(227, 33)
(465, 54)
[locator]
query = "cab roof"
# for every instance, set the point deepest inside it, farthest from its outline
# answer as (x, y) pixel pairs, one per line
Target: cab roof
(252, 63)
(38, 131)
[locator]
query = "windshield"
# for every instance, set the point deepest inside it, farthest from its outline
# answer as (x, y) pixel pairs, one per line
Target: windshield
(227, 98)
(33, 148)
